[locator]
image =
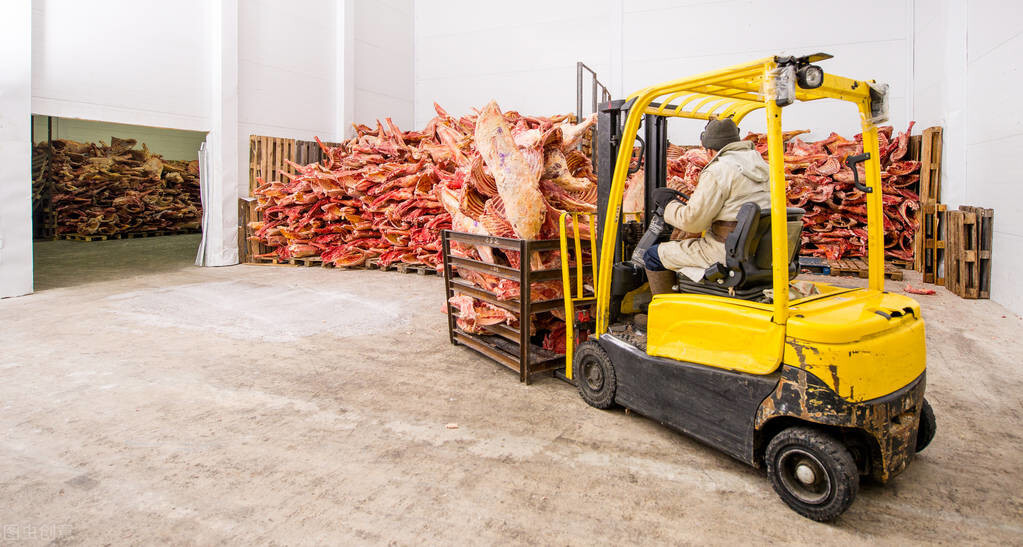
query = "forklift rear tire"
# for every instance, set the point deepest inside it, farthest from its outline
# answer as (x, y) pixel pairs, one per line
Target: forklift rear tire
(594, 375)
(812, 472)
(928, 427)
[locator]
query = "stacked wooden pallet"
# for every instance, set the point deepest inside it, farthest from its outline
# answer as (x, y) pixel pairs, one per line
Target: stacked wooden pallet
(857, 267)
(268, 158)
(968, 251)
(372, 264)
(401, 267)
(929, 242)
(125, 235)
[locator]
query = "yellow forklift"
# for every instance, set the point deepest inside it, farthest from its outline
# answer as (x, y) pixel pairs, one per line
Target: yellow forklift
(818, 390)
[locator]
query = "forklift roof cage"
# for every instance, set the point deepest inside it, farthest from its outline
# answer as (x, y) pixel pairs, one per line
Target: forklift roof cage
(768, 83)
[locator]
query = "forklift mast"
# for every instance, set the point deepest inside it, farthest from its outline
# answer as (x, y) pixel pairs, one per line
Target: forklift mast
(654, 160)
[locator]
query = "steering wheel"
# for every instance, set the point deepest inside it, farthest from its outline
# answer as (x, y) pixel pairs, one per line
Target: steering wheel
(678, 194)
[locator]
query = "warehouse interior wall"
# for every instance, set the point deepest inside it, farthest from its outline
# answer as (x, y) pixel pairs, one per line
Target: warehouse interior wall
(220, 67)
(172, 144)
(523, 54)
(966, 66)
(15, 148)
(939, 91)
(235, 68)
(994, 134)
(383, 62)
(146, 63)
(948, 62)
(138, 62)
(665, 39)
(287, 65)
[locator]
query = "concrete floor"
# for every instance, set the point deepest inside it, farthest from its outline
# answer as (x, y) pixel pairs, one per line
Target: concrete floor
(145, 400)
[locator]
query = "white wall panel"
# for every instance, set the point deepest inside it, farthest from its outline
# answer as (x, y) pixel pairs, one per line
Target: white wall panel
(994, 135)
(286, 65)
(15, 148)
(128, 61)
(993, 93)
(377, 107)
(513, 91)
(444, 17)
(383, 60)
(287, 73)
(522, 54)
(990, 24)
(664, 40)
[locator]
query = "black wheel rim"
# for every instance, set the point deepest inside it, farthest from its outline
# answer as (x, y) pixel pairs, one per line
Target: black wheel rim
(804, 476)
(593, 375)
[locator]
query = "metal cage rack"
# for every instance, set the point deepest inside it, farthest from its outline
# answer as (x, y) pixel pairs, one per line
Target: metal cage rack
(509, 346)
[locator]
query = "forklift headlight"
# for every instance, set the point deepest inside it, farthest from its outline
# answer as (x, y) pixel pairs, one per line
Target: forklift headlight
(810, 76)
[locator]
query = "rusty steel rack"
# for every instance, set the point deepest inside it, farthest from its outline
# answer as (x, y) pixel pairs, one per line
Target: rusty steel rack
(509, 346)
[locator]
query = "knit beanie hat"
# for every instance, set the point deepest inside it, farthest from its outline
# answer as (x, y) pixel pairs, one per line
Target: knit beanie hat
(719, 133)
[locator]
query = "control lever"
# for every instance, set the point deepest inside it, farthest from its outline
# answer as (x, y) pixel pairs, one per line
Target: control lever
(852, 161)
(654, 232)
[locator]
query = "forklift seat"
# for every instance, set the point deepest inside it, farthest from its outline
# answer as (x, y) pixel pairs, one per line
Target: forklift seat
(747, 271)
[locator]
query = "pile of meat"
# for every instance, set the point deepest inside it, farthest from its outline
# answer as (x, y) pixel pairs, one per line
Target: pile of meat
(96, 189)
(41, 191)
(835, 225)
(386, 195)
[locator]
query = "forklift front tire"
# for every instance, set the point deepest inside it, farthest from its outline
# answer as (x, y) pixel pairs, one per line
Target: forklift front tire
(594, 375)
(812, 472)
(928, 427)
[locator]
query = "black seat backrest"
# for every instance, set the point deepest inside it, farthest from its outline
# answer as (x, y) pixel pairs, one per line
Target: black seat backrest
(748, 255)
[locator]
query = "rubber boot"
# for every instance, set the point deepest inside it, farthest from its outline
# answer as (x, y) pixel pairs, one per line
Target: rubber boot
(661, 281)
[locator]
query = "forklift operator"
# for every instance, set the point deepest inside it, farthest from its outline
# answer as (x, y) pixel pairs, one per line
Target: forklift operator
(736, 174)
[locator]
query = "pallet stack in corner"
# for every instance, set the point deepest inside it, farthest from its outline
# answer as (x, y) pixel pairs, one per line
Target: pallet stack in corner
(968, 251)
(930, 244)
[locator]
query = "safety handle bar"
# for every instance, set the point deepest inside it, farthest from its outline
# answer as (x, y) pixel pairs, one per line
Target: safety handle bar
(852, 161)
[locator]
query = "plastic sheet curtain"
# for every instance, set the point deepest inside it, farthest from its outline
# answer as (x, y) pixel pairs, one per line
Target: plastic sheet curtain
(204, 192)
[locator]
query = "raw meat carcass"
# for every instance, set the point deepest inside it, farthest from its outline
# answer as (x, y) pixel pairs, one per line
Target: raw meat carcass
(516, 176)
(100, 189)
(818, 180)
(386, 195)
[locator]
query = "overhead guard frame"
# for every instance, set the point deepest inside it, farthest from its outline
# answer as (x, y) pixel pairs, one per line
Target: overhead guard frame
(736, 92)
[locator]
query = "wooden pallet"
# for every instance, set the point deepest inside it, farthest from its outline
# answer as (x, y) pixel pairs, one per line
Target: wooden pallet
(307, 152)
(268, 160)
(268, 261)
(969, 233)
(402, 267)
(930, 239)
(82, 237)
(315, 261)
(308, 261)
(929, 189)
(901, 264)
(857, 267)
(930, 165)
(124, 235)
(157, 233)
(304, 262)
(267, 157)
(247, 247)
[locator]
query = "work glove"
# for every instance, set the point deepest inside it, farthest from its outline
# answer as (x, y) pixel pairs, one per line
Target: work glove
(664, 196)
